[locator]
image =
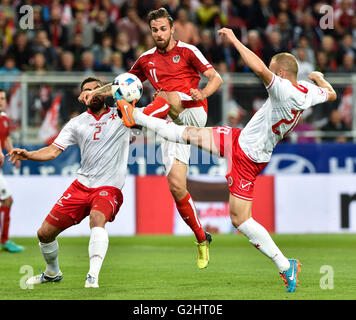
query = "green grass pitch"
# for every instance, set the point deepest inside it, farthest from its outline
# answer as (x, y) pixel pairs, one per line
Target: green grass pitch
(164, 268)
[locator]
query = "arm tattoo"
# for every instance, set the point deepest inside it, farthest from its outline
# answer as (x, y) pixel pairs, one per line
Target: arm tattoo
(103, 91)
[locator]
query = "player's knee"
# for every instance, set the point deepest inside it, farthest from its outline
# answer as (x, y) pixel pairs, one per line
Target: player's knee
(237, 220)
(97, 219)
(44, 236)
(177, 188)
(171, 97)
(162, 94)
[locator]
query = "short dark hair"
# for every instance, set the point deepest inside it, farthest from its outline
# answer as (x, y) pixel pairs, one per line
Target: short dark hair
(288, 61)
(159, 13)
(90, 79)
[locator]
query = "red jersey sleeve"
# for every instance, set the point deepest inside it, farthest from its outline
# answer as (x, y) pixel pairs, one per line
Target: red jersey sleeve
(137, 70)
(197, 59)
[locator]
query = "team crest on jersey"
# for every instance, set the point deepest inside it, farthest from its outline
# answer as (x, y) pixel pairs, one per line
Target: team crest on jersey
(176, 59)
(113, 116)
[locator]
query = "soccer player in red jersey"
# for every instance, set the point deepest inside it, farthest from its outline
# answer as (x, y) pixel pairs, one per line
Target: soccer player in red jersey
(173, 68)
(249, 150)
(5, 196)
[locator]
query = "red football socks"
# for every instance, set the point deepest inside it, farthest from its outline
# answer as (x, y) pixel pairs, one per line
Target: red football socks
(157, 108)
(188, 212)
(4, 223)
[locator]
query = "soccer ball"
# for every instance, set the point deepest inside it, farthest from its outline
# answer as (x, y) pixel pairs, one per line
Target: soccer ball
(128, 86)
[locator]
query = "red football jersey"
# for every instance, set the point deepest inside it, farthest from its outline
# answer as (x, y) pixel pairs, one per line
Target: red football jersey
(4, 128)
(177, 70)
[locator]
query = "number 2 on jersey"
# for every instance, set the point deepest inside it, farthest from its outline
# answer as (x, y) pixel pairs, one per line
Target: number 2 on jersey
(59, 202)
(96, 133)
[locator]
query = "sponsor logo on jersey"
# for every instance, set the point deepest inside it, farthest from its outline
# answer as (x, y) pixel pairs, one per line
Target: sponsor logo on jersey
(245, 184)
(176, 59)
(103, 193)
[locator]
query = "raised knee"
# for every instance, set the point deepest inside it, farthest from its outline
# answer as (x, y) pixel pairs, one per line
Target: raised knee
(162, 94)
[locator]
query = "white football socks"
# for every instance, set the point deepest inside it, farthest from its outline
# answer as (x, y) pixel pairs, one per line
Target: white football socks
(164, 128)
(50, 254)
(262, 240)
(98, 245)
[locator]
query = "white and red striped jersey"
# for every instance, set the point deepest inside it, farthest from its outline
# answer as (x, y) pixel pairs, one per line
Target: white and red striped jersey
(104, 147)
(278, 116)
(177, 70)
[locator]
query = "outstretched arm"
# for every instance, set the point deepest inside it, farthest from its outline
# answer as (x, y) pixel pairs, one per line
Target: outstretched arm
(47, 153)
(253, 61)
(87, 96)
(318, 78)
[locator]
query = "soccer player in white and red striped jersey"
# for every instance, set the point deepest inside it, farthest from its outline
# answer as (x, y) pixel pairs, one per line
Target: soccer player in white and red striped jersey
(249, 150)
(173, 68)
(104, 145)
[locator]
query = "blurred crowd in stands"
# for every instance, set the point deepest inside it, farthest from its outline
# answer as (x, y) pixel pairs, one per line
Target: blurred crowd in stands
(109, 35)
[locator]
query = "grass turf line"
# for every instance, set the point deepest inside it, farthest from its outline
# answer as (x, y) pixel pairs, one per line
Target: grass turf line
(164, 268)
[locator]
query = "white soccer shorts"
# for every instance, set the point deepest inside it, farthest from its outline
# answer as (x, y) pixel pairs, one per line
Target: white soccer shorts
(196, 117)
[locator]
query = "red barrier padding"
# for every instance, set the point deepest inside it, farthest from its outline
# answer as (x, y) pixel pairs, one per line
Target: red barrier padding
(154, 206)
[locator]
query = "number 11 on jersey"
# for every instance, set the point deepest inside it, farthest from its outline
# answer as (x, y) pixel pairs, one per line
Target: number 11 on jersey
(153, 74)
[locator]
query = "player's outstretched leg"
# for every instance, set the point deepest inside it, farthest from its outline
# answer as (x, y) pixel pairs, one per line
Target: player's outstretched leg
(132, 116)
(240, 212)
(290, 276)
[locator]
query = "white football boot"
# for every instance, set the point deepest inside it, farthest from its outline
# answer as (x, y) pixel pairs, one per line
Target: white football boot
(91, 281)
(43, 278)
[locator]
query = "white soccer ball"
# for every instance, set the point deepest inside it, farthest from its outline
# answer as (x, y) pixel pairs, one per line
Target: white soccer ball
(128, 86)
